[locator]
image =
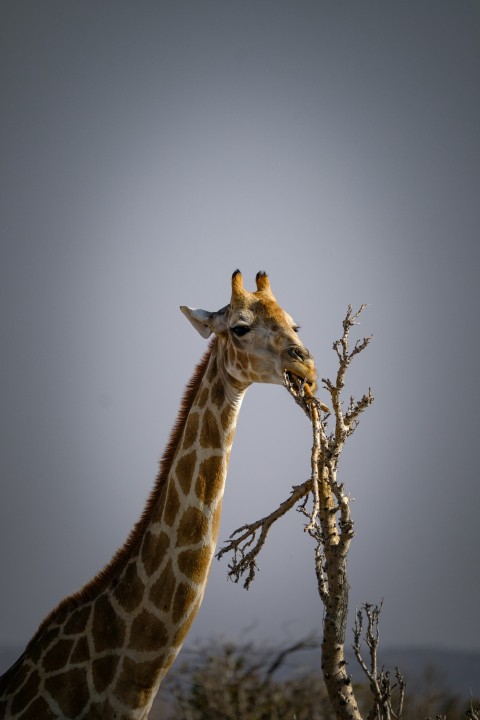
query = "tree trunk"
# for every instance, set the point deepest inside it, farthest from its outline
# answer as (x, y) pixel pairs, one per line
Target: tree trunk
(334, 665)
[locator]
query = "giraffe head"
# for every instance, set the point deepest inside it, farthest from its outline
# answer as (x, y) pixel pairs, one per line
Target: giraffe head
(257, 339)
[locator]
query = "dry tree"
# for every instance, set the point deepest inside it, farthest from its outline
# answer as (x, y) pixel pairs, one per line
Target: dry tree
(387, 694)
(325, 503)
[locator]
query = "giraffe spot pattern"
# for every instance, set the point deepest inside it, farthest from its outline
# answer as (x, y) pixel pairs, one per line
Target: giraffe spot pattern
(43, 642)
(103, 671)
(102, 710)
(69, 690)
(129, 591)
(81, 651)
(39, 708)
(195, 563)
(209, 482)
(29, 690)
(217, 394)
(184, 470)
(163, 589)
(184, 597)
(212, 371)
(209, 434)
(57, 655)
(192, 527)
(191, 430)
(135, 680)
(182, 631)
(19, 678)
(154, 550)
(77, 621)
(172, 505)
(148, 632)
(108, 628)
(226, 419)
(155, 546)
(202, 398)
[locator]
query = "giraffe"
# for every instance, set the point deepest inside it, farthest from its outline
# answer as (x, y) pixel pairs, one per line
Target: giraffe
(103, 652)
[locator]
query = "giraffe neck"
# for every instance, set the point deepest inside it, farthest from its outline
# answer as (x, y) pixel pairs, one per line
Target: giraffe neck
(178, 545)
(106, 649)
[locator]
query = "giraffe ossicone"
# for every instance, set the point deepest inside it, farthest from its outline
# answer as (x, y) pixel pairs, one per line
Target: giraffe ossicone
(103, 652)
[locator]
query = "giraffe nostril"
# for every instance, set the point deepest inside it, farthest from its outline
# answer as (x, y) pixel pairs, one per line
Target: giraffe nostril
(299, 353)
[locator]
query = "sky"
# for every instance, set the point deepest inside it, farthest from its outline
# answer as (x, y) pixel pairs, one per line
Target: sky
(148, 150)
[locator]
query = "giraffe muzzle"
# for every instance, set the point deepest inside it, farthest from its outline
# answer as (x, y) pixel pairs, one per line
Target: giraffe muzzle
(300, 364)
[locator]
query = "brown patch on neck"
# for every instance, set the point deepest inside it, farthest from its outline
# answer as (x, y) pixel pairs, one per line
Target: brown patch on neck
(119, 560)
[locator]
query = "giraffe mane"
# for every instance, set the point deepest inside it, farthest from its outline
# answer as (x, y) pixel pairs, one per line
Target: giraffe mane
(119, 559)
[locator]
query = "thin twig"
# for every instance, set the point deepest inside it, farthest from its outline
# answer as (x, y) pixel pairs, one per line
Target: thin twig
(244, 561)
(379, 680)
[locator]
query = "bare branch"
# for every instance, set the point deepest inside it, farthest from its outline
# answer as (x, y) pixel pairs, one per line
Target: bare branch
(307, 643)
(380, 682)
(244, 561)
(356, 408)
(473, 711)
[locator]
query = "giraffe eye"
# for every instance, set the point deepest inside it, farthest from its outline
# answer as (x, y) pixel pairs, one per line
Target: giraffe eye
(296, 328)
(240, 330)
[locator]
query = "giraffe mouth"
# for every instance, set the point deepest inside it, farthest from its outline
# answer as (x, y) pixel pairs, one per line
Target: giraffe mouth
(299, 381)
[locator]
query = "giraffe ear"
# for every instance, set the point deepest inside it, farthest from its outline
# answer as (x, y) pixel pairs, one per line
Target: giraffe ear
(206, 322)
(200, 319)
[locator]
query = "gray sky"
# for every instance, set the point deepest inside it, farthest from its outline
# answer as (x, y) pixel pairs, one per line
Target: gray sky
(149, 149)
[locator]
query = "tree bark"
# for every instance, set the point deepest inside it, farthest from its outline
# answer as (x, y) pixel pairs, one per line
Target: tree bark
(334, 666)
